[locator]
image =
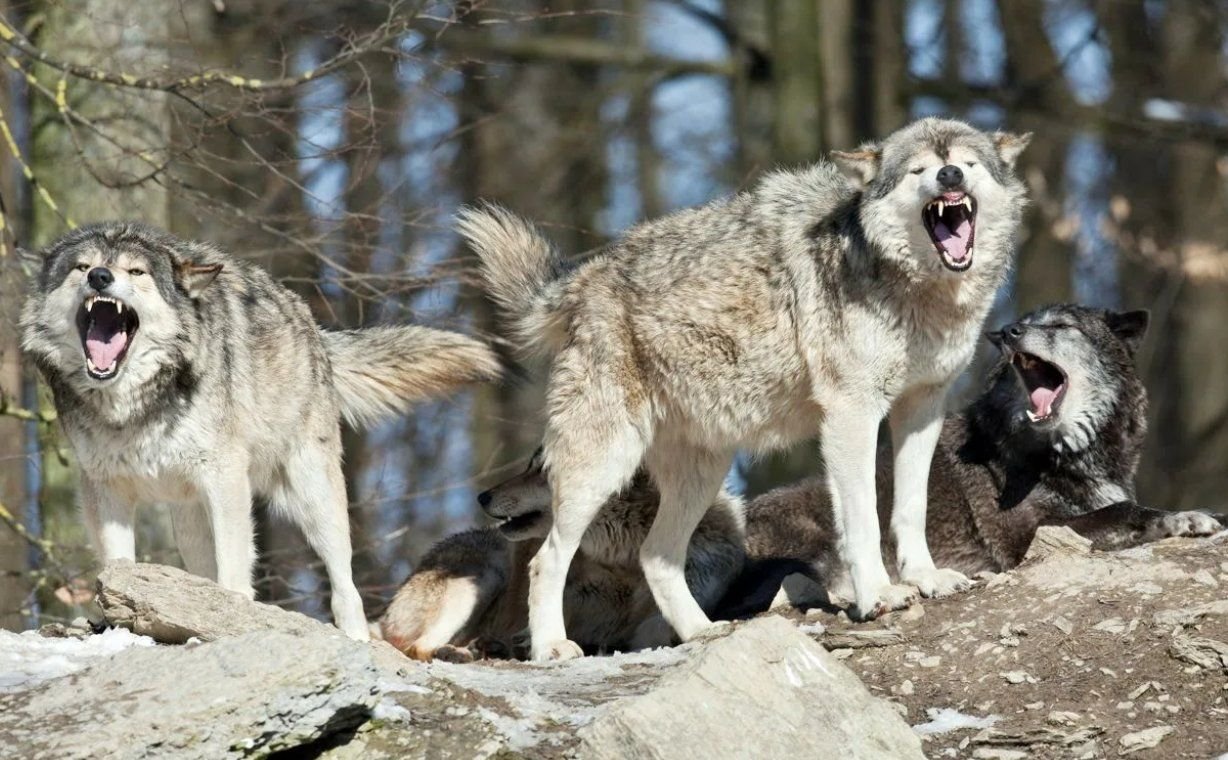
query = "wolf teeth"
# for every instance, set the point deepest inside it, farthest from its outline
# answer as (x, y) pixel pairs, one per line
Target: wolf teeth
(1033, 416)
(942, 206)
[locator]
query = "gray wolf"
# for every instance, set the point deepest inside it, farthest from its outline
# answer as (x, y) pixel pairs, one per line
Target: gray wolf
(186, 377)
(819, 301)
(1054, 439)
(470, 592)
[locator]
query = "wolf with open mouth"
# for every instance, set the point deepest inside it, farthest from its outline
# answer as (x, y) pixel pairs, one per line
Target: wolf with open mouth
(187, 377)
(1053, 439)
(820, 301)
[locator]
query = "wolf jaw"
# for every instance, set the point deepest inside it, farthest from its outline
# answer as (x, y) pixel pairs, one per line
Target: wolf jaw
(950, 220)
(1046, 384)
(106, 326)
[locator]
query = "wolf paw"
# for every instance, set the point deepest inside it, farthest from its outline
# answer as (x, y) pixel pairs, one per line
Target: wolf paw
(557, 651)
(449, 653)
(653, 632)
(1190, 524)
(935, 582)
(888, 599)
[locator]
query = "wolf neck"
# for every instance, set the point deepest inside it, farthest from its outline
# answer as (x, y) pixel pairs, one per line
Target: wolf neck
(125, 403)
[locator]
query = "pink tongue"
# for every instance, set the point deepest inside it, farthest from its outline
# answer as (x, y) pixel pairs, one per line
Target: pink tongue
(104, 349)
(955, 243)
(1042, 401)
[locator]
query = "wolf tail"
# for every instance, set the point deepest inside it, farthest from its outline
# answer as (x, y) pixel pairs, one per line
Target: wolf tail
(381, 371)
(522, 272)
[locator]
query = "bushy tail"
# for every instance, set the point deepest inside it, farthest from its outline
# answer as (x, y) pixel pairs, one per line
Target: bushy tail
(381, 371)
(521, 269)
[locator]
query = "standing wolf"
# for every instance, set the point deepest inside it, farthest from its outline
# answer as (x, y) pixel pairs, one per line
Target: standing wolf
(185, 377)
(1054, 439)
(810, 303)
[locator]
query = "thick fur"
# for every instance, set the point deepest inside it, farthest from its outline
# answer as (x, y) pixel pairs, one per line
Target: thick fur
(996, 475)
(228, 389)
(469, 595)
(813, 303)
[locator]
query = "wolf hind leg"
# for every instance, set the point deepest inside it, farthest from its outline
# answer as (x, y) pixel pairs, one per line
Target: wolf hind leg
(194, 539)
(312, 495)
(688, 478)
(590, 454)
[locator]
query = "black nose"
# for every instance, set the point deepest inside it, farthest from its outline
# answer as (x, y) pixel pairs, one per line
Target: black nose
(950, 176)
(99, 278)
(484, 498)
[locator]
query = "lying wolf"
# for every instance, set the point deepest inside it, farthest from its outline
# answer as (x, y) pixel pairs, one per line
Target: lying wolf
(817, 302)
(1053, 440)
(469, 595)
(186, 377)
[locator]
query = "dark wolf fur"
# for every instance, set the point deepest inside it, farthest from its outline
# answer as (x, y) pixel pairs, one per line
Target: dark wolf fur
(470, 592)
(224, 387)
(996, 475)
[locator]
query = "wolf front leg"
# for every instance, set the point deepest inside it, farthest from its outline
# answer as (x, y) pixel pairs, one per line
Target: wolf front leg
(108, 520)
(226, 494)
(1126, 524)
(849, 442)
(916, 422)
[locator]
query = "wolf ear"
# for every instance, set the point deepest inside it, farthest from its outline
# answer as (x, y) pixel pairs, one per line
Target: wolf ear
(196, 277)
(1010, 145)
(1130, 326)
(861, 165)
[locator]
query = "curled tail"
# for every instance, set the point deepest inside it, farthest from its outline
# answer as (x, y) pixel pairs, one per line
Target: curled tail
(521, 269)
(381, 371)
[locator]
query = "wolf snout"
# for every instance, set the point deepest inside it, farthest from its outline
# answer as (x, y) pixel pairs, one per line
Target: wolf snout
(100, 278)
(950, 176)
(1008, 336)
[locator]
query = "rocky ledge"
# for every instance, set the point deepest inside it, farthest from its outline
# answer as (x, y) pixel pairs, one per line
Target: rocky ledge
(1074, 654)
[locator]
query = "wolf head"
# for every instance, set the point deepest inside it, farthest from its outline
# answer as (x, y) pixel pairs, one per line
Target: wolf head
(1067, 376)
(111, 312)
(938, 194)
(521, 503)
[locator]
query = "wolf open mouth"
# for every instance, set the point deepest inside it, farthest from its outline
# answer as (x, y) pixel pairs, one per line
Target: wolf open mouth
(1045, 383)
(950, 219)
(518, 524)
(106, 326)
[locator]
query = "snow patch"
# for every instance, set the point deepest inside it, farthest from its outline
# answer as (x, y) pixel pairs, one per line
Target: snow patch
(28, 659)
(945, 719)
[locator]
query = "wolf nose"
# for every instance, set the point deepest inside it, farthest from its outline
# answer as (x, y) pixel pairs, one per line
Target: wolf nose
(99, 278)
(484, 498)
(950, 176)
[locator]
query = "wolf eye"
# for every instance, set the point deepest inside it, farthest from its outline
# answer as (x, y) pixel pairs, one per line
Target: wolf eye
(971, 164)
(134, 272)
(82, 267)
(918, 170)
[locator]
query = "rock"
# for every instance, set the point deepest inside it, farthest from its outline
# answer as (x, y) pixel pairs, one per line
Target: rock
(855, 639)
(790, 698)
(171, 606)
(1145, 739)
(1191, 615)
(1201, 651)
(1051, 541)
(252, 694)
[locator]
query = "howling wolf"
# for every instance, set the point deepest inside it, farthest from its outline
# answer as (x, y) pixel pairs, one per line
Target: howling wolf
(819, 301)
(186, 377)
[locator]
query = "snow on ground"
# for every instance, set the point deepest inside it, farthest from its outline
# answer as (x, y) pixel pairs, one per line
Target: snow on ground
(944, 719)
(27, 659)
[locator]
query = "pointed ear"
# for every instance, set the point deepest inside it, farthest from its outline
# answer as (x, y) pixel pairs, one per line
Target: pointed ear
(196, 277)
(1130, 326)
(1010, 145)
(861, 165)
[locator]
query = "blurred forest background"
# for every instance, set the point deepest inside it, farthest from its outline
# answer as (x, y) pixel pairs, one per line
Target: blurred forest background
(333, 140)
